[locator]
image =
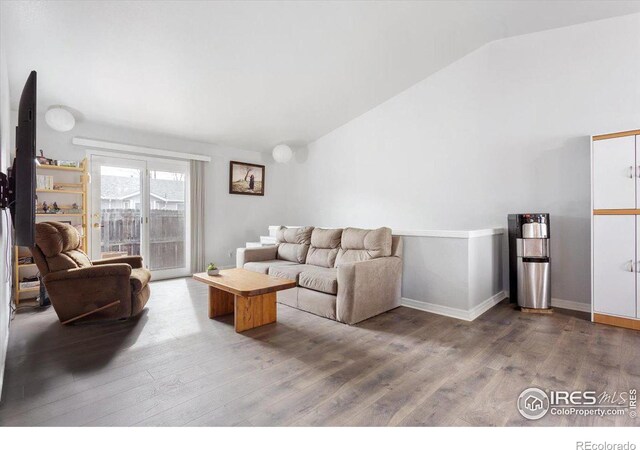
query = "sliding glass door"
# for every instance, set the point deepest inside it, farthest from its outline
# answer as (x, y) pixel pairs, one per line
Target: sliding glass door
(117, 207)
(140, 207)
(168, 221)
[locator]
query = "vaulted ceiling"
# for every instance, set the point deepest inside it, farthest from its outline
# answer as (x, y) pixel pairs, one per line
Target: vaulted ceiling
(252, 74)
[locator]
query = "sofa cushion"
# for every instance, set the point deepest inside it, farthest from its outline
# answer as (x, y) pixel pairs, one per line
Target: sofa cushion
(288, 297)
(59, 243)
(324, 247)
(79, 258)
(54, 238)
(293, 243)
(320, 279)
(288, 272)
(300, 235)
(296, 253)
(61, 261)
(263, 266)
(362, 245)
(317, 303)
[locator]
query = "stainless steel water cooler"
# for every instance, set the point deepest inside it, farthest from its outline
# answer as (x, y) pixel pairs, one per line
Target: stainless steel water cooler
(529, 260)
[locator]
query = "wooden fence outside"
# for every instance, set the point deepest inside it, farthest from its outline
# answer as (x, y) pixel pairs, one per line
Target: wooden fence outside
(121, 233)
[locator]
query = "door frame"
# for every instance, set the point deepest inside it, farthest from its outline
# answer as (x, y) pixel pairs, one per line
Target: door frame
(149, 163)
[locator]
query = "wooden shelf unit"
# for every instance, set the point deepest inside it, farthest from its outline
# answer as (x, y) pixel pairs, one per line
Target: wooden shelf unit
(78, 188)
(19, 272)
(30, 289)
(82, 167)
(60, 214)
(60, 191)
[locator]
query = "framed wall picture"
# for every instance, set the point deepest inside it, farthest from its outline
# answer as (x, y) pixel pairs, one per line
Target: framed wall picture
(246, 179)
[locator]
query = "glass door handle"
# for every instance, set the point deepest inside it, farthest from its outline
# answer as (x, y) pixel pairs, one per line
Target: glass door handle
(96, 220)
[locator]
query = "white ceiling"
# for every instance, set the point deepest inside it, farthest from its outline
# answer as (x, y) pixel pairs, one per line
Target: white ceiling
(252, 74)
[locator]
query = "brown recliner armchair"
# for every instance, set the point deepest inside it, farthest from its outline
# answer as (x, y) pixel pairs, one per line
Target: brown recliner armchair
(82, 290)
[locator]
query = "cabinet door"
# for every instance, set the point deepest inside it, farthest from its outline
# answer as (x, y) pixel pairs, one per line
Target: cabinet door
(614, 169)
(638, 177)
(614, 254)
(638, 267)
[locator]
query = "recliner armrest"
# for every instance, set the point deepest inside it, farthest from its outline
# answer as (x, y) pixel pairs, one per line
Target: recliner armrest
(245, 255)
(134, 261)
(104, 270)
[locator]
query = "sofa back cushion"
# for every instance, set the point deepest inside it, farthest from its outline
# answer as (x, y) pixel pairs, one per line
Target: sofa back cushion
(396, 246)
(361, 245)
(293, 243)
(57, 248)
(324, 247)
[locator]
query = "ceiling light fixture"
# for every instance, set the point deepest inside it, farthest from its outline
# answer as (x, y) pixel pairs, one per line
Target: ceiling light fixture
(59, 119)
(282, 153)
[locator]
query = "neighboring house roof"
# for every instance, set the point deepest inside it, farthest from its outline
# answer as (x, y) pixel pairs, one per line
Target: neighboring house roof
(117, 188)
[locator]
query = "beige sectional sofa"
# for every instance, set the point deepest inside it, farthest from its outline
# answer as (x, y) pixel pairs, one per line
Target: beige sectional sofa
(347, 274)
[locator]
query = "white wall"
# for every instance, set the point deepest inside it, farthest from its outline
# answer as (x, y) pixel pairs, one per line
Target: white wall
(463, 281)
(504, 129)
(231, 220)
(5, 236)
(437, 281)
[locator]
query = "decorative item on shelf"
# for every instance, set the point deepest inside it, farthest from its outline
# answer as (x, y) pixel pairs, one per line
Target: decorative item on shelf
(43, 160)
(246, 178)
(55, 209)
(29, 282)
(44, 182)
(59, 119)
(75, 209)
(65, 163)
(282, 153)
(76, 188)
(25, 260)
(45, 208)
(212, 269)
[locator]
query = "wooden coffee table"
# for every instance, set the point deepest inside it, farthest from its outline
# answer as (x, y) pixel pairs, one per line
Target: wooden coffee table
(250, 296)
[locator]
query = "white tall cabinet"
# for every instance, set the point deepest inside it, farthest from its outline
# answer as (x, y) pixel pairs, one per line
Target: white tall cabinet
(615, 229)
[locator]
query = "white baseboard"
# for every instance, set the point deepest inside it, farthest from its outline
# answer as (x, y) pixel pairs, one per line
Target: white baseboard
(487, 305)
(570, 304)
(456, 313)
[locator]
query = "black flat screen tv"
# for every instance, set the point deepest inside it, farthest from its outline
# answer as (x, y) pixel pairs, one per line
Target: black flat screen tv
(19, 188)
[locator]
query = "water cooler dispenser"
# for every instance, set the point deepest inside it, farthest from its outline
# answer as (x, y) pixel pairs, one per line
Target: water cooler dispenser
(529, 261)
